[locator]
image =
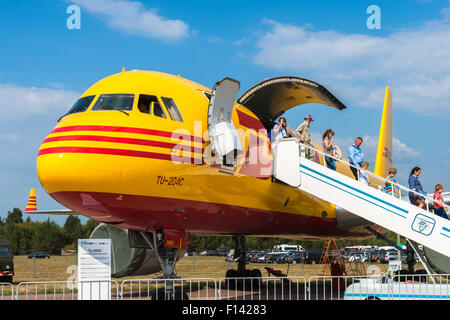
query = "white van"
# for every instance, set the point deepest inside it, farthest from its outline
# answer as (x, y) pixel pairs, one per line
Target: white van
(287, 247)
(372, 289)
(387, 248)
(387, 288)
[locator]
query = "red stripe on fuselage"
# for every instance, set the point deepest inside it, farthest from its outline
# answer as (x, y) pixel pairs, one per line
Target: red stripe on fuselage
(151, 132)
(141, 142)
(117, 152)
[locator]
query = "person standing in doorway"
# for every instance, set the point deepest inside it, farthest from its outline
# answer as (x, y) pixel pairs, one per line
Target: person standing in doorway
(281, 131)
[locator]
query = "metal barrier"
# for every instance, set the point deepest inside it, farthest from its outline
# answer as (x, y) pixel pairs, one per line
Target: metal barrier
(265, 288)
(6, 291)
(382, 287)
(411, 287)
(334, 288)
(169, 289)
(65, 290)
(420, 287)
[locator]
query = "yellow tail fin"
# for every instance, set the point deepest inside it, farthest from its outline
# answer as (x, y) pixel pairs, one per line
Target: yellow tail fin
(31, 205)
(384, 152)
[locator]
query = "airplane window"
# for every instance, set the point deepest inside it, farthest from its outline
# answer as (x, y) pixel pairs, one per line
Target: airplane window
(117, 101)
(145, 103)
(158, 111)
(150, 104)
(172, 108)
(81, 105)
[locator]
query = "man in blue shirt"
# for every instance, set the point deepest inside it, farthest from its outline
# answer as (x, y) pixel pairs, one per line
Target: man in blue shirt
(355, 156)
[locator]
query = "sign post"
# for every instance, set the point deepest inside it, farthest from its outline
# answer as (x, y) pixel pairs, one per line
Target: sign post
(94, 269)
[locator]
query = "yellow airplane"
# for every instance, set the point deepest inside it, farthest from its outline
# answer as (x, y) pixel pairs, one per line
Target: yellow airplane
(165, 157)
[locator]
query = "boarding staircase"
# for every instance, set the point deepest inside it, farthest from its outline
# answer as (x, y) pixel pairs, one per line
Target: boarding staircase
(389, 211)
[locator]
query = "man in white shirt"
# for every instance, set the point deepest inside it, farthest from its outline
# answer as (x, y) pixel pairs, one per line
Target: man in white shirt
(281, 131)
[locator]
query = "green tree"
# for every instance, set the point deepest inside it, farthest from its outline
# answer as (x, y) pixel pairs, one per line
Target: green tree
(14, 216)
(89, 227)
(74, 229)
(49, 237)
(14, 234)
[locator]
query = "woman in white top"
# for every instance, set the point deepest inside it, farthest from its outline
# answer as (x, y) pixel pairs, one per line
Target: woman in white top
(328, 140)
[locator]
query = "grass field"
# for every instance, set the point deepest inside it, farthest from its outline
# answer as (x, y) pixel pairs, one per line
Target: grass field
(62, 268)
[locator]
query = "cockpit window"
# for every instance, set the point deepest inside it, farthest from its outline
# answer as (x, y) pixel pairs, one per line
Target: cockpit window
(171, 106)
(150, 104)
(158, 111)
(119, 101)
(81, 105)
(145, 103)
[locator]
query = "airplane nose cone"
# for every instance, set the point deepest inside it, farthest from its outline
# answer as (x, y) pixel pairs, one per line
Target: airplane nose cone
(67, 165)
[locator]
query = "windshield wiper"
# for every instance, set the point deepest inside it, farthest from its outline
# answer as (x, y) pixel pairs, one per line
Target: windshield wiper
(108, 107)
(122, 111)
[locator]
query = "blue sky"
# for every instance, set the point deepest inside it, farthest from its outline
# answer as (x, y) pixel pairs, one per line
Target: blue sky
(44, 67)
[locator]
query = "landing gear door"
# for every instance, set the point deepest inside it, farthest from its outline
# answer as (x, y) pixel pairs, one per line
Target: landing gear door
(222, 132)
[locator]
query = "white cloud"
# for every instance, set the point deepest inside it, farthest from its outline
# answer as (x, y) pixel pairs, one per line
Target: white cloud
(215, 39)
(9, 137)
(370, 145)
(401, 150)
(414, 63)
(132, 17)
(18, 102)
(446, 14)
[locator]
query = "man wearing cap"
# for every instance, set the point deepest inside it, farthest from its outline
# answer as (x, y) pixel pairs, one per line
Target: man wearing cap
(304, 135)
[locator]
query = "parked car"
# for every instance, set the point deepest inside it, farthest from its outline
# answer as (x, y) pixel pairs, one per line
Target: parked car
(295, 257)
(312, 256)
(263, 258)
(208, 253)
(281, 258)
(356, 257)
(288, 247)
(273, 257)
(391, 255)
(255, 257)
(222, 252)
(39, 255)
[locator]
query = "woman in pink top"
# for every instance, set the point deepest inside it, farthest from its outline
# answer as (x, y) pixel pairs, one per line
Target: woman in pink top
(438, 205)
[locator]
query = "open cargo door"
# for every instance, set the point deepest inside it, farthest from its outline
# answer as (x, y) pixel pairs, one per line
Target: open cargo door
(222, 132)
(271, 98)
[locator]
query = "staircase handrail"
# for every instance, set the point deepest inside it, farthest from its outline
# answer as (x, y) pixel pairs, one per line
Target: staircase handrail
(384, 180)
